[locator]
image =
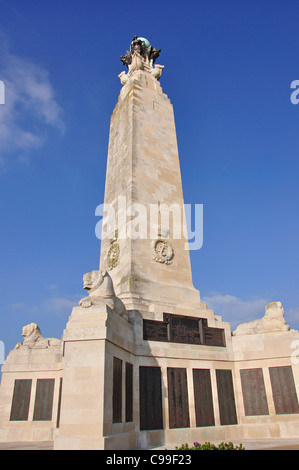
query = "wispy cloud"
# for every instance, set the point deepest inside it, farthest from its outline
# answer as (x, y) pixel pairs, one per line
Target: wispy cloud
(30, 104)
(51, 305)
(235, 310)
(59, 304)
(18, 305)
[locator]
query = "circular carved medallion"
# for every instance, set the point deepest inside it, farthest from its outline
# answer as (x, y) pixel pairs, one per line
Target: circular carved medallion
(162, 251)
(113, 255)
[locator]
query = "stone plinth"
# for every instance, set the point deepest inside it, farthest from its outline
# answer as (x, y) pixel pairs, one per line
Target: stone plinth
(36, 360)
(91, 339)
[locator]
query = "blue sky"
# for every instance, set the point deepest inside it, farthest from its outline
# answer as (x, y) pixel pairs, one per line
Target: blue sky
(228, 69)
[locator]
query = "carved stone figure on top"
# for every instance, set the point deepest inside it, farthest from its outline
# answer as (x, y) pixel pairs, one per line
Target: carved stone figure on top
(123, 77)
(126, 59)
(101, 292)
(157, 71)
(272, 321)
(34, 339)
(142, 56)
(140, 46)
(154, 54)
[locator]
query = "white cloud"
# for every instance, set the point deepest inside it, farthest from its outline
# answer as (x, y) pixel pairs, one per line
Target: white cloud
(49, 305)
(59, 304)
(30, 104)
(235, 310)
(18, 305)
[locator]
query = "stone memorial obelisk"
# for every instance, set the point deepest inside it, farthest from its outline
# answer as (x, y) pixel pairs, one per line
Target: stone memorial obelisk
(142, 363)
(147, 252)
(144, 261)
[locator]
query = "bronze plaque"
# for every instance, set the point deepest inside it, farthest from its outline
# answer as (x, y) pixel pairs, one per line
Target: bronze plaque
(117, 391)
(254, 392)
(129, 392)
(178, 404)
(21, 400)
(43, 400)
(155, 330)
(150, 398)
(183, 329)
(214, 336)
(284, 390)
(204, 410)
(59, 402)
(226, 397)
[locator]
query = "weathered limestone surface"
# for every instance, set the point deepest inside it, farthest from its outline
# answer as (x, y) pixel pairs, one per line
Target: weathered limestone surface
(143, 168)
(143, 279)
(35, 358)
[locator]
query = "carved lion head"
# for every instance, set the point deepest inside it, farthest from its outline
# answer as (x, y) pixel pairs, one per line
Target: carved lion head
(274, 310)
(92, 279)
(30, 331)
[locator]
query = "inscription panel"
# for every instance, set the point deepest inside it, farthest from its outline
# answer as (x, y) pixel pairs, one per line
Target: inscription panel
(204, 410)
(284, 390)
(21, 400)
(178, 404)
(150, 398)
(214, 336)
(117, 391)
(226, 398)
(129, 392)
(183, 329)
(155, 330)
(254, 392)
(43, 400)
(59, 402)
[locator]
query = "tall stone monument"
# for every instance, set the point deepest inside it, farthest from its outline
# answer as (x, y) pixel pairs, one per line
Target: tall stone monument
(142, 363)
(143, 173)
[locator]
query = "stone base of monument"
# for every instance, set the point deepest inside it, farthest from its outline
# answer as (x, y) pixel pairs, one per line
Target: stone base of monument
(164, 378)
(155, 379)
(30, 388)
(90, 371)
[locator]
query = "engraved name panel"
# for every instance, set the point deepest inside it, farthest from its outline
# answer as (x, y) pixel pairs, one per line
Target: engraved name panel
(183, 329)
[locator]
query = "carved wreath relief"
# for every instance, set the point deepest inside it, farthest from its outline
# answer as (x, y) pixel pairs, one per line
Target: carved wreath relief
(162, 251)
(113, 255)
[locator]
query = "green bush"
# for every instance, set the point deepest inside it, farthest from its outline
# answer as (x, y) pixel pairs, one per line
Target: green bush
(209, 446)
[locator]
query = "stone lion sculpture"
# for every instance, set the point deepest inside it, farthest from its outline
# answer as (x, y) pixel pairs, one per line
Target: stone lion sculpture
(101, 292)
(34, 339)
(273, 320)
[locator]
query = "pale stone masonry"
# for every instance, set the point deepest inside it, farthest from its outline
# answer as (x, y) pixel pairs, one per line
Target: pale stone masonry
(142, 362)
(143, 167)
